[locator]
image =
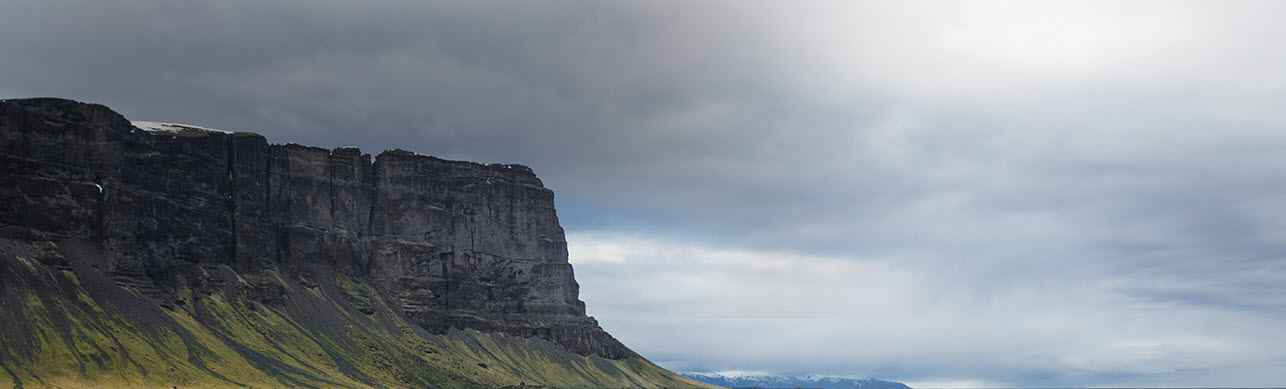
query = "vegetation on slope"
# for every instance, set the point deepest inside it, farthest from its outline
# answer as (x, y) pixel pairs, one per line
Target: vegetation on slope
(63, 323)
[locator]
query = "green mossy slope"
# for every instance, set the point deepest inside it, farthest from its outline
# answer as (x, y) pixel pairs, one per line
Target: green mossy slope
(66, 324)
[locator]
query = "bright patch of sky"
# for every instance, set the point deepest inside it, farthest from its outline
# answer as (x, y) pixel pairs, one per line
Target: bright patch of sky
(735, 308)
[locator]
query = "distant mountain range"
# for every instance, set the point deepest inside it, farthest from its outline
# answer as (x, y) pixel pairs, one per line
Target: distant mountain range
(810, 381)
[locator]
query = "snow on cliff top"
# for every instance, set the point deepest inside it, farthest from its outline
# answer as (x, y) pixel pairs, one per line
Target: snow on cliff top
(171, 127)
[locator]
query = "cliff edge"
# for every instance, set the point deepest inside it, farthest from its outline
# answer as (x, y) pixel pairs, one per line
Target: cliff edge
(157, 254)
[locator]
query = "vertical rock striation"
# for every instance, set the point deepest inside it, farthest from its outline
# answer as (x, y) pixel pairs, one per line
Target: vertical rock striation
(447, 244)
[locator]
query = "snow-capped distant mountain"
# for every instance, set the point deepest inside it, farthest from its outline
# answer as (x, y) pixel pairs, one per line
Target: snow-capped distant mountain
(811, 381)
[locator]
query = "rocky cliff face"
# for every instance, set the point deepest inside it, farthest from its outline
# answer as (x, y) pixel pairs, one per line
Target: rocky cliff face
(179, 213)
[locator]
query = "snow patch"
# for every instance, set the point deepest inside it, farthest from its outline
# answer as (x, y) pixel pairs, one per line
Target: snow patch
(171, 127)
(738, 374)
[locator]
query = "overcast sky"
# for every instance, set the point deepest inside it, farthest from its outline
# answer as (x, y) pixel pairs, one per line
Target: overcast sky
(943, 194)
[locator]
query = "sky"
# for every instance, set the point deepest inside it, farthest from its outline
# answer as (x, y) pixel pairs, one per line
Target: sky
(954, 194)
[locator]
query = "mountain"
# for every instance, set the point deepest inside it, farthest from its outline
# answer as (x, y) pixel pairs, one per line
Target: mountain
(140, 254)
(768, 381)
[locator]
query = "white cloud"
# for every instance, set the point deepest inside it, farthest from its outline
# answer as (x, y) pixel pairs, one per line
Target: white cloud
(696, 308)
(737, 283)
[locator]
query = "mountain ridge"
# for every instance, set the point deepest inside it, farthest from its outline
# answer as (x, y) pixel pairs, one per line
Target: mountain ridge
(130, 251)
(764, 381)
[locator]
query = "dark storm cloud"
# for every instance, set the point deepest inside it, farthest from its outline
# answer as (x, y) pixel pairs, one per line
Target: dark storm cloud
(1029, 174)
(617, 92)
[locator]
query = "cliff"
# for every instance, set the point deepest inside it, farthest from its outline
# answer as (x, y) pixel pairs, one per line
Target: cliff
(198, 241)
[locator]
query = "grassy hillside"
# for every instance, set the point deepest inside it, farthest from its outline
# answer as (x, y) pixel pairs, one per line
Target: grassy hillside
(64, 323)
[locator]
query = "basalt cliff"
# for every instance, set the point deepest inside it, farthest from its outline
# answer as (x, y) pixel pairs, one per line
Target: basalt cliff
(154, 255)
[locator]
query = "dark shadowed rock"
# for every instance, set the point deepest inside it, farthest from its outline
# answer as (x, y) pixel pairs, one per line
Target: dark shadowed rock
(447, 244)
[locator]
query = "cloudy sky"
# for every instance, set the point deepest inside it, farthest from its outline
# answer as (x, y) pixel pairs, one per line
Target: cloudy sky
(939, 193)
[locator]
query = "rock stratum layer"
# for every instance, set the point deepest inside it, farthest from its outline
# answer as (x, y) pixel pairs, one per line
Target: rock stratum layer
(181, 256)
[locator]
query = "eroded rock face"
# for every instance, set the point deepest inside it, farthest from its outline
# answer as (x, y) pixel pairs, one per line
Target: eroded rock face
(447, 243)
